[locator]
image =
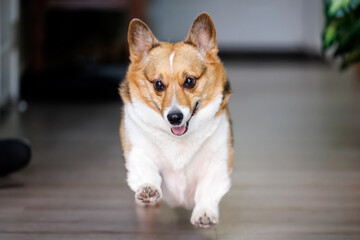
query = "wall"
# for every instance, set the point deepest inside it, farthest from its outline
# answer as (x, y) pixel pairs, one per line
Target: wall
(254, 25)
(313, 21)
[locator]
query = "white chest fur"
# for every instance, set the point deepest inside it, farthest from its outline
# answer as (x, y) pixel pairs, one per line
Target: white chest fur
(177, 159)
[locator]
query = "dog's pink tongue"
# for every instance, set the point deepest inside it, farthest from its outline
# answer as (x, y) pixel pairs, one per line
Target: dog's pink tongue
(178, 130)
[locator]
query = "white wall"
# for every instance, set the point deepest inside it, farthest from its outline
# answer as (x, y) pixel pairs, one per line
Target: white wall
(250, 24)
(9, 63)
(313, 21)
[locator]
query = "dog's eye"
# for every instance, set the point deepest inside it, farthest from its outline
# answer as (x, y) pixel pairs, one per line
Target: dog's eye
(159, 86)
(189, 82)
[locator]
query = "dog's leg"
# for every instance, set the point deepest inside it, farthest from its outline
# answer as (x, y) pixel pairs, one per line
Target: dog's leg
(212, 186)
(143, 177)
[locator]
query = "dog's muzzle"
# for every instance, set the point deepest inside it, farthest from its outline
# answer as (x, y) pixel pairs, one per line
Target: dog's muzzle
(176, 118)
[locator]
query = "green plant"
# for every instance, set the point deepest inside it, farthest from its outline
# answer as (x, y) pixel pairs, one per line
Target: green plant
(342, 30)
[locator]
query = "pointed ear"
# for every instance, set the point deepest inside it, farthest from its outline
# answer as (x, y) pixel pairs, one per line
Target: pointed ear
(140, 39)
(203, 34)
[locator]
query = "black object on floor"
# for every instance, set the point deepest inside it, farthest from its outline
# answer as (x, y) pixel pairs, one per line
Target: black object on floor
(15, 154)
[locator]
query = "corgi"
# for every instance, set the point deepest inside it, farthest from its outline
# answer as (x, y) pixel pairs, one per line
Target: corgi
(175, 127)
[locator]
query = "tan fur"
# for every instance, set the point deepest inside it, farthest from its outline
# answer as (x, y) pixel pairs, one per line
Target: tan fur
(125, 144)
(230, 144)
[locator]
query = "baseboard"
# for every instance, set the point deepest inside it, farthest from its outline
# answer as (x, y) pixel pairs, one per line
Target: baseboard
(253, 55)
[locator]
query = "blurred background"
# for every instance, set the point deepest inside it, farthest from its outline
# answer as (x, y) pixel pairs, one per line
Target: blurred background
(82, 44)
(296, 120)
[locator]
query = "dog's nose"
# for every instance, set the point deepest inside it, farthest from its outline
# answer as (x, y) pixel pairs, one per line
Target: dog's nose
(175, 118)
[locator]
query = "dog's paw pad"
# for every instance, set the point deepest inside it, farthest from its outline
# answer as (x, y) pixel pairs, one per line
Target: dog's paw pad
(204, 219)
(148, 194)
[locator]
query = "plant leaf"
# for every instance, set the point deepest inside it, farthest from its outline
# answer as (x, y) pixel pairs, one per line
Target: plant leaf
(338, 5)
(349, 39)
(331, 32)
(351, 58)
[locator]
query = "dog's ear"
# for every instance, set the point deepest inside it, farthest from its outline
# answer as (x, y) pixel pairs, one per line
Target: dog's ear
(140, 39)
(203, 34)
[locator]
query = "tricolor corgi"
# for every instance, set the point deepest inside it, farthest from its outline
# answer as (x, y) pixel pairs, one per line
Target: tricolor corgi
(175, 129)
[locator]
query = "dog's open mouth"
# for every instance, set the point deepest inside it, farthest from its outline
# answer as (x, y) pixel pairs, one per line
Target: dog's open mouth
(178, 131)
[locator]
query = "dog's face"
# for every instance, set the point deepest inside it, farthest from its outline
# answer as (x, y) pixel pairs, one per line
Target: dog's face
(176, 80)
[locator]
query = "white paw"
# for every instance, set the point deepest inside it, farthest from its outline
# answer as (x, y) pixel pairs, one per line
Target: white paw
(148, 195)
(204, 218)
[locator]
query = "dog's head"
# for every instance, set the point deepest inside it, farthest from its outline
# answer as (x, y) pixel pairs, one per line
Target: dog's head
(176, 80)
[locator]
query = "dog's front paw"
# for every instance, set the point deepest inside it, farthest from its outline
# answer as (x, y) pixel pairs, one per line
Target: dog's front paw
(204, 218)
(148, 195)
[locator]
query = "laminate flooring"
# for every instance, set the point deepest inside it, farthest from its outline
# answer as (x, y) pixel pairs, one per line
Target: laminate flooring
(296, 172)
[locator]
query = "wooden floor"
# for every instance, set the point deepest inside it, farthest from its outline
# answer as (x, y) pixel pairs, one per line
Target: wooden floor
(296, 174)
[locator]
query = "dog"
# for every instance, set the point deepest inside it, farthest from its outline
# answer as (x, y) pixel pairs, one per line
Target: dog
(175, 128)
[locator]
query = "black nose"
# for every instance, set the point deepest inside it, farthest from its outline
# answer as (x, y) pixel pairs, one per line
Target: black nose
(175, 118)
